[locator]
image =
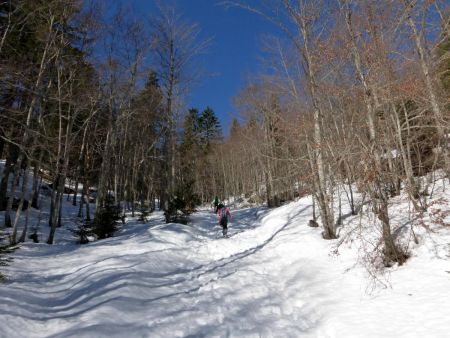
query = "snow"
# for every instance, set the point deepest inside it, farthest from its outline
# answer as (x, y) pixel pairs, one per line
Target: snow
(274, 277)
(394, 153)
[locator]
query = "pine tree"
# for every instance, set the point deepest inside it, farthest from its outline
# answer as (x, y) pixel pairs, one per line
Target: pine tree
(235, 129)
(191, 130)
(189, 152)
(210, 128)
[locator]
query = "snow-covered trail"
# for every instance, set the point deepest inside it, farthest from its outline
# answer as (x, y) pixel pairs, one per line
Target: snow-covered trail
(162, 280)
(274, 277)
(256, 291)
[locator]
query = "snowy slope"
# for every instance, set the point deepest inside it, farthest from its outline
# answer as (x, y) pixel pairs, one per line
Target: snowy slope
(274, 277)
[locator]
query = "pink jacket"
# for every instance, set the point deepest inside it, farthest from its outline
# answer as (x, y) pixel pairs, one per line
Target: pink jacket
(227, 211)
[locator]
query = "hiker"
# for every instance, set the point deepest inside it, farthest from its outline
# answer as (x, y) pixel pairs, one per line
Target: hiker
(224, 215)
(216, 204)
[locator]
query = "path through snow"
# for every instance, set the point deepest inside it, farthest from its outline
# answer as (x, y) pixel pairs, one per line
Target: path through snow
(274, 277)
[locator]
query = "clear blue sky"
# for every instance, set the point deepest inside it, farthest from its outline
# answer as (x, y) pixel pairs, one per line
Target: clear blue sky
(233, 55)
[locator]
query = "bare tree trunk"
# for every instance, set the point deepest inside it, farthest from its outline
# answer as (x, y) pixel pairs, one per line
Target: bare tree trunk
(60, 210)
(412, 188)
(54, 205)
(11, 197)
(63, 158)
(104, 172)
(81, 164)
(25, 226)
(2, 146)
(323, 197)
(70, 187)
(350, 188)
(339, 219)
(88, 209)
(36, 183)
(314, 207)
(13, 238)
(9, 167)
(82, 198)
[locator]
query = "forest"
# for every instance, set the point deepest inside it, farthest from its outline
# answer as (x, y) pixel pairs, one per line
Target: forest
(354, 98)
(135, 203)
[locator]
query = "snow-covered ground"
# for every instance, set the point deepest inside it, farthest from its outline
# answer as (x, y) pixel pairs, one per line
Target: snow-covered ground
(274, 277)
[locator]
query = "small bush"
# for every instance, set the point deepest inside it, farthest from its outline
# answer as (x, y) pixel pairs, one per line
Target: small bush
(177, 212)
(82, 232)
(176, 204)
(185, 199)
(34, 236)
(34, 231)
(106, 221)
(143, 216)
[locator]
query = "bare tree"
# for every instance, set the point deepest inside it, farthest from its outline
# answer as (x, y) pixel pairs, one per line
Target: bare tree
(177, 43)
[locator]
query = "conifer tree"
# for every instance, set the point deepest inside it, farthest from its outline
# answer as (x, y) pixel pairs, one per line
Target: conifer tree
(210, 128)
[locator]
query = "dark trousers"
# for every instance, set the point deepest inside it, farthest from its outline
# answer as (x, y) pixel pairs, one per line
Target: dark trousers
(224, 225)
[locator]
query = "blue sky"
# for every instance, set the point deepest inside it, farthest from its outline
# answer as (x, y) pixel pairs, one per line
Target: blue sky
(232, 57)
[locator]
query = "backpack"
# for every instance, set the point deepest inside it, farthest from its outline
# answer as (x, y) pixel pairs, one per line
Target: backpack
(223, 217)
